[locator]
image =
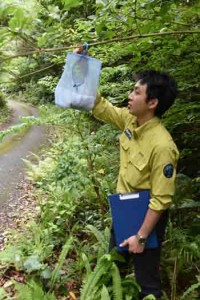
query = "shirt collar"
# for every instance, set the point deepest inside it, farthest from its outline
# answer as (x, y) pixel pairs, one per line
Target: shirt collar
(138, 131)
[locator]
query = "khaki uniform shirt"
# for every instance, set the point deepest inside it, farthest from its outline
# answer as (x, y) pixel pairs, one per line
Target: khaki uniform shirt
(148, 155)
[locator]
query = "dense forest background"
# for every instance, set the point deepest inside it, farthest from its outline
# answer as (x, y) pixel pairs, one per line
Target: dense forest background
(79, 170)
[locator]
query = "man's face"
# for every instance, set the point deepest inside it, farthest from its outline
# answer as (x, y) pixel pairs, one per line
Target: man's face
(137, 100)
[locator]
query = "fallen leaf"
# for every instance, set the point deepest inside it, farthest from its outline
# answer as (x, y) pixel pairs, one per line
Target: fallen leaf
(72, 296)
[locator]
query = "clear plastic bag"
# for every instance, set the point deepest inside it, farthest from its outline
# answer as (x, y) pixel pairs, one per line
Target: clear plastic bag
(77, 87)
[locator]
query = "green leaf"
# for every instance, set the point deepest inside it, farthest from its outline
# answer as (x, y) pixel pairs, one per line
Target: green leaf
(68, 4)
(188, 292)
(46, 274)
(105, 293)
(117, 287)
(32, 263)
(86, 263)
(150, 297)
(3, 294)
(18, 20)
(56, 272)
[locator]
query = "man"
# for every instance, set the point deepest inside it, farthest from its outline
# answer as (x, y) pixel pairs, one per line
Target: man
(148, 159)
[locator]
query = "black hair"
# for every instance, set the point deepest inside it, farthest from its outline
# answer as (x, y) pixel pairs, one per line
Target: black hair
(160, 86)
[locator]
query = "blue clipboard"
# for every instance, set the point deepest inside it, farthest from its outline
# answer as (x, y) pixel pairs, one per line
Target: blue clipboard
(128, 212)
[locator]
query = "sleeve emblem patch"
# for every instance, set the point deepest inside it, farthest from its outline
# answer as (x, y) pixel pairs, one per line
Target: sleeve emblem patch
(168, 170)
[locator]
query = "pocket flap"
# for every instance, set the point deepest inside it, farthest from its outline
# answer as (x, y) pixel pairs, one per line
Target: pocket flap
(139, 161)
(124, 141)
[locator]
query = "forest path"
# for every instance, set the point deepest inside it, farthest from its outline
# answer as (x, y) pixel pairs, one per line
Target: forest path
(16, 147)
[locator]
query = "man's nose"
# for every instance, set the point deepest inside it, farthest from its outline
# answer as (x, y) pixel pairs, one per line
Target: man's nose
(130, 97)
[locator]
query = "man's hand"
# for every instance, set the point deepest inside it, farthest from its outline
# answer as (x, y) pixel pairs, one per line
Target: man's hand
(80, 50)
(148, 225)
(133, 245)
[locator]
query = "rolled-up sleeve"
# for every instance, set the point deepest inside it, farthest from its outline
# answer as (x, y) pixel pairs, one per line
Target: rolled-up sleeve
(105, 111)
(162, 177)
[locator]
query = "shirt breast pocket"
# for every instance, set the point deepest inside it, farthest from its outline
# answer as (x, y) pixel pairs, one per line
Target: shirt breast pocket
(124, 150)
(138, 171)
(139, 161)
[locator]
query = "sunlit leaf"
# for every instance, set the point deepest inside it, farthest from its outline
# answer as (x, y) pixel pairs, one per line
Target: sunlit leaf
(68, 4)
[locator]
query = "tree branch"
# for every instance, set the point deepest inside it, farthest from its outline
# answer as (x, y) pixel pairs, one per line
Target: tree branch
(137, 36)
(29, 74)
(37, 71)
(22, 54)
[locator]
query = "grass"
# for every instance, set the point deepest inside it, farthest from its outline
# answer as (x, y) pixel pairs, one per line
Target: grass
(5, 115)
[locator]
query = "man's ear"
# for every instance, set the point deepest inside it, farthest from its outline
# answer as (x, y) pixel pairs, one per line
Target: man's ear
(153, 103)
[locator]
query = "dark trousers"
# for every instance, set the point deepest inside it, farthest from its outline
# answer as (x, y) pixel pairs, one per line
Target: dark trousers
(146, 264)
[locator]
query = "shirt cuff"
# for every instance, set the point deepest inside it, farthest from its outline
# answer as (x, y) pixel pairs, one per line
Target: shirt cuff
(99, 106)
(160, 203)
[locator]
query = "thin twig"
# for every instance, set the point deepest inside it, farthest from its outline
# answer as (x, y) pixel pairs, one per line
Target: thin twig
(31, 73)
(22, 54)
(37, 71)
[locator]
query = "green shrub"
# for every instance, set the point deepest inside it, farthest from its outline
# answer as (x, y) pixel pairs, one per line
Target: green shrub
(2, 100)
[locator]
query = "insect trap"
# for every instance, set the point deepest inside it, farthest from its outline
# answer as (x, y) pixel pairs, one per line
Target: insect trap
(77, 87)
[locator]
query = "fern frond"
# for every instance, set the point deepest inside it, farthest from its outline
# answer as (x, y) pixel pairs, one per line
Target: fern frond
(24, 291)
(105, 293)
(189, 291)
(15, 129)
(86, 264)
(36, 290)
(107, 234)
(91, 286)
(117, 286)
(99, 236)
(49, 296)
(60, 262)
(32, 291)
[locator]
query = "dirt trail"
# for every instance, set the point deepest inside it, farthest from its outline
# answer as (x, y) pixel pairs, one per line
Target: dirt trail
(12, 150)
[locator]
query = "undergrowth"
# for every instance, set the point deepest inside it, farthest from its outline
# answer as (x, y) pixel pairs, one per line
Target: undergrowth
(65, 252)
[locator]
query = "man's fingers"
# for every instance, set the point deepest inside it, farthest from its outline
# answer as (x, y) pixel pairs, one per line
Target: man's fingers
(125, 243)
(81, 50)
(78, 50)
